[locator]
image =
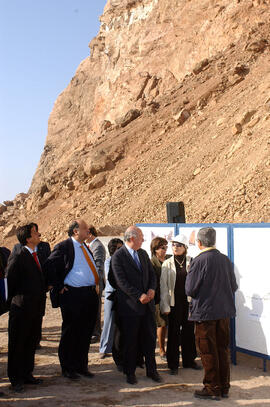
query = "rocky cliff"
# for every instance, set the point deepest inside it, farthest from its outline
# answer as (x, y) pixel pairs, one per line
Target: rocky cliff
(172, 104)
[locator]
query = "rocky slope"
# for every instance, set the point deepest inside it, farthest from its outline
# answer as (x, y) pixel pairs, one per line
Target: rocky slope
(172, 104)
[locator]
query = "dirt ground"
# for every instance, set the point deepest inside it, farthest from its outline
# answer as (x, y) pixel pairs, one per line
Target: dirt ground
(250, 386)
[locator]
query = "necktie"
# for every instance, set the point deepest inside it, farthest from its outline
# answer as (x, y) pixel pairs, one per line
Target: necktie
(34, 254)
(136, 259)
(90, 264)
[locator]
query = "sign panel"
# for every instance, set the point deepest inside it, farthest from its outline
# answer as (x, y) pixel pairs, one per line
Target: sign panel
(252, 270)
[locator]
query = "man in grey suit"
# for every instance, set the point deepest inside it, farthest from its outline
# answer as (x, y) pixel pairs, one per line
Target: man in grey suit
(99, 254)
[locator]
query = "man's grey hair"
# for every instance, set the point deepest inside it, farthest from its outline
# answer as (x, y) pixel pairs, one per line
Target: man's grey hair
(129, 233)
(207, 237)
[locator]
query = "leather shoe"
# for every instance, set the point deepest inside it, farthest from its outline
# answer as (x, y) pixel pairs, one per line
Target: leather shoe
(87, 374)
(32, 380)
(174, 372)
(71, 375)
(193, 366)
(155, 377)
(205, 394)
(18, 388)
(131, 379)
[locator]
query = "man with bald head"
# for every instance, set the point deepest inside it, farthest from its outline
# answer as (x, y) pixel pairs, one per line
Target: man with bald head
(75, 281)
(135, 290)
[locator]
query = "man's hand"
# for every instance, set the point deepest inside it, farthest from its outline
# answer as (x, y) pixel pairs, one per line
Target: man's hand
(150, 294)
(144, 299)
(63, 290)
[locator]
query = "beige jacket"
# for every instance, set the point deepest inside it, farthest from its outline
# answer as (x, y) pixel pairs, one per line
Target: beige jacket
(167, 283)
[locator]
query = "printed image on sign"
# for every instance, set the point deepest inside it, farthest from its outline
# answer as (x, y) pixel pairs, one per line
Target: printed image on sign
(191, 233)
(152, 231)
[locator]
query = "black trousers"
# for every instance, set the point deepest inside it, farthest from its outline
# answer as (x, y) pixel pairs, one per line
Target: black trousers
(180, 333)
(79, 311)
(23, 330)
(139, 332)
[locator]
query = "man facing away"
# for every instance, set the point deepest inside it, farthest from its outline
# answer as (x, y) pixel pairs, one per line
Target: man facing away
(26, 291)
(135, 291)
(43, 251)
(74, 277)
(211, 283)
(99, 253)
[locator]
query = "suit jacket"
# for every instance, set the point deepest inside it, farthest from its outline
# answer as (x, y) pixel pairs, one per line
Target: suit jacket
(99, 255)
(43, 251)
(26, 283)
(58, 265)
(131, 283)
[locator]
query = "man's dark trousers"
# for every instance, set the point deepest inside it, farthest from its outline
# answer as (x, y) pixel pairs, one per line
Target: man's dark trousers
(213, 338)
(79, 306)
(23, 330)
(142, 327)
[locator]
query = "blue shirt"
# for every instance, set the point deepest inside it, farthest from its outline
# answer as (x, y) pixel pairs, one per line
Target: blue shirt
(80, 275)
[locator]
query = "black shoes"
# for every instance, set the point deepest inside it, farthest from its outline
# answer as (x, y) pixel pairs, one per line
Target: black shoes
(32, 380)
(71, 375)
(206, 394)
(193, 366)
(174, 372)
(18, 388)
(131, 379)
(87, 374)
(155, 377)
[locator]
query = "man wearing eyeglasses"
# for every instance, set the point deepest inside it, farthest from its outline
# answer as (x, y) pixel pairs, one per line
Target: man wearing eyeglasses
(211, 283)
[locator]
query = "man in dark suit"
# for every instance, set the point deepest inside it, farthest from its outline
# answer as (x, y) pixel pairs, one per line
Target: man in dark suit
(136, 283)
(43, 251)
(4, 254)
(26, 291)
(74, 277)
(99, 254)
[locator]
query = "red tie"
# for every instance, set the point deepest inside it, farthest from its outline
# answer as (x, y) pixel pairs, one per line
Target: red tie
(34, 254)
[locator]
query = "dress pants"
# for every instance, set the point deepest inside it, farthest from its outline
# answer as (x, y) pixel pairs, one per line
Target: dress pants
(23, 330)
(107, 335)
(139, 332)
(213, 338)
(79, 307)
(180, 333)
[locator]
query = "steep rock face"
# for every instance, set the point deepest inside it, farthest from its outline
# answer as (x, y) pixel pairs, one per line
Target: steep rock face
(172, 104)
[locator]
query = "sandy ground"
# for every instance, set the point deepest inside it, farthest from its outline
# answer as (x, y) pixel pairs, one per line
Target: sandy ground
(250, 386)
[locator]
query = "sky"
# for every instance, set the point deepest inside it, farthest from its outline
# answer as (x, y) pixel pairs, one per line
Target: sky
(42, 42)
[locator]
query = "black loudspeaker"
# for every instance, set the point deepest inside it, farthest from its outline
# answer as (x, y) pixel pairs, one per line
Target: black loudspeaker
(175, 212)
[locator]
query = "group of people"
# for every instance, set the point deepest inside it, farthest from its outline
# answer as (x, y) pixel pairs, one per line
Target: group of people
(188, 300)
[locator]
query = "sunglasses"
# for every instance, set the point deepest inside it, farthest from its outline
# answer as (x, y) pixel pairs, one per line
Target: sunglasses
(178, 244)
(163, 247)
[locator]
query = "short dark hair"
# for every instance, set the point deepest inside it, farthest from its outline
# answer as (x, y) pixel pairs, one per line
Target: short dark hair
(93, 230)
(72, 226)
(207, 236)
(156, 243)
(112, 245)
(34, 224)
(24, 233)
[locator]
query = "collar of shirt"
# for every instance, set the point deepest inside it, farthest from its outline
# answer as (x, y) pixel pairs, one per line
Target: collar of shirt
(90, 244)
(30, 250)
(131, 251)
(208, 248)
(75, 242)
